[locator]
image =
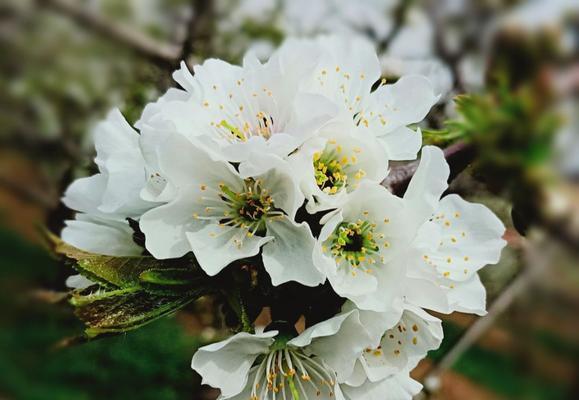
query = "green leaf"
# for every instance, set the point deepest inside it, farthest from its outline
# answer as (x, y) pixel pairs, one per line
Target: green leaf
(131, 291)
(118, 311)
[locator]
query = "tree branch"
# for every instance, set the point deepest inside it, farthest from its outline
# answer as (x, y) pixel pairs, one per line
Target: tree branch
(162, 54)
(199, 30)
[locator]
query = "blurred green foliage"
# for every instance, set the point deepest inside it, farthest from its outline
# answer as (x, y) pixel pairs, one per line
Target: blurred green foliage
(152, 363)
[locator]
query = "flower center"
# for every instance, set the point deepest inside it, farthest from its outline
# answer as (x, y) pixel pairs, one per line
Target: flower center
(357, 245)
(248, 209)
(354, 240)
(291, 374)
(332, 168)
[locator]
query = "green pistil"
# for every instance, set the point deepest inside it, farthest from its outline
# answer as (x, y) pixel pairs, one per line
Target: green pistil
(353, 241)
(234, 130)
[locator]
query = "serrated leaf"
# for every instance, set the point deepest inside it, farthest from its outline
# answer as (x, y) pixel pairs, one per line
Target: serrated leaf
(117, 311)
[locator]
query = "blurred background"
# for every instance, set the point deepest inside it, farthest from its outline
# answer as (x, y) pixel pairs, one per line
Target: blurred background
(513, 144)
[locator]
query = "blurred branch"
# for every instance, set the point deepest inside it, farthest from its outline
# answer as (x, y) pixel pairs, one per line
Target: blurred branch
(162, 54)
(450, 58)
(536, 261)
(26, 193)
(199, 30)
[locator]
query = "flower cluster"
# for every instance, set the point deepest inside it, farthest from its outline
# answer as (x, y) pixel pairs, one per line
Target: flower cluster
(277, 167)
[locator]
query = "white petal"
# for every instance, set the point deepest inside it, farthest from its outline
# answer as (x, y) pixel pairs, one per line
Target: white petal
(343, 332)
(151, 110)
(85, 194)
(414, 335)
(471, 237)
(114, 136)
(215, 247)
(376, 323)
(101, 236)
(405, 102)
(427, 294)
(184, 163)
(225, 365)
(426, 186)
(351, 284)
(402, 143)
(184, 77)
(468, 296)
(434, 69)
(389, 288)
(123, 193)
(348, 61)
(396, 387)
(288, 257)
(278, 179)
(358, 376)
(119, 157)
(165, 227)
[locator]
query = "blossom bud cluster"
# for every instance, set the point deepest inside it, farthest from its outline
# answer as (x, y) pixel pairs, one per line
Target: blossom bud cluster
(281, 163)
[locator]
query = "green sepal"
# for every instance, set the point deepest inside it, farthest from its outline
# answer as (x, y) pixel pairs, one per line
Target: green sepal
(171, 281)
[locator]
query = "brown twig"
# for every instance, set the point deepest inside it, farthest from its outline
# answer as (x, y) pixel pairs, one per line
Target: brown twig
(199, 30)
(163, 54)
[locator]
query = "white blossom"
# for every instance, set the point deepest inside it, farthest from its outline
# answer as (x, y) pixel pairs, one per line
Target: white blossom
(273, 365)
(396, 387)
(346, 73)
(115, 190)
(357, 246)
(401, 337)
(105, 200)
(220, 169)
(223, 215)
(454, 239)
(335, 163)
(235, 112)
